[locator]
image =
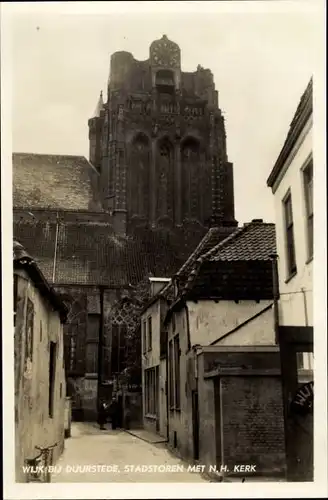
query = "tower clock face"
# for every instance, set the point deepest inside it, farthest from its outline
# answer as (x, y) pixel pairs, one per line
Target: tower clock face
(164, 54)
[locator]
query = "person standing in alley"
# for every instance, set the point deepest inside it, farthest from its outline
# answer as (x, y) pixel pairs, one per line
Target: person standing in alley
(102, 414)
(113, 413)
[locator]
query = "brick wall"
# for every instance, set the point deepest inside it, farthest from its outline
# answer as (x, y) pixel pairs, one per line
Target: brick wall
(252, 423)
(241, 409)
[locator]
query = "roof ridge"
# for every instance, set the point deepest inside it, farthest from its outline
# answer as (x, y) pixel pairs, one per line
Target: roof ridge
(16, 153)
(199, 246)
(224, 242)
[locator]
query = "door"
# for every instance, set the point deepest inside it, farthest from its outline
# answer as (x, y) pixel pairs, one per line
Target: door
(195, 424)
(157, 395)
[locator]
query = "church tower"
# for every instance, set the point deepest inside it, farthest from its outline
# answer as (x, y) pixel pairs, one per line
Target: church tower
(159, 143)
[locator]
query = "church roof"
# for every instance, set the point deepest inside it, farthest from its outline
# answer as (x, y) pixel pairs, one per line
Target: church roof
(90, 253)
(59, 182)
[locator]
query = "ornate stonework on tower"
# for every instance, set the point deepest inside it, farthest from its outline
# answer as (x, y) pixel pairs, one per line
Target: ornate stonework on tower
(159, 143)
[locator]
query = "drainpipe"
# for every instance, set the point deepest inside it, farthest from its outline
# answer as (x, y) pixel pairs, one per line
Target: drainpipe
(100, 343)
(282, 351)
(167, 393)
(56, 244)
(305, 307)
(275, 289)
(188, 325)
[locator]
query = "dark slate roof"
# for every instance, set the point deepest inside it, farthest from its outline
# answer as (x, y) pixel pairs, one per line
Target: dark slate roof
(89, 253)
(22, 260)
(59, 182)
(238, 267)
(302, 114)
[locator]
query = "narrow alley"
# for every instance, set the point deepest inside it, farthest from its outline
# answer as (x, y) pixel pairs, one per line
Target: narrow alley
(92, 455)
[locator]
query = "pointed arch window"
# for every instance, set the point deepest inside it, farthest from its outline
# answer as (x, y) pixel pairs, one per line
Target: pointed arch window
(139, 172)
(165, 184)
(191, 179)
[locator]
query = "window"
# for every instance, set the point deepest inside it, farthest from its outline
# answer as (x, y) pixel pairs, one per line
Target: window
(52, 373)
(290, 243)
(177, 371)
(300, 360)
(151, 391)
(308, 193)
(15, 296)
(150, 333)
(144, 335)
(118, 348)
(91, 358)
(93, 327)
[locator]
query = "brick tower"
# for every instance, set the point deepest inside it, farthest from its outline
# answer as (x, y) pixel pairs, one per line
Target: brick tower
(159, 143)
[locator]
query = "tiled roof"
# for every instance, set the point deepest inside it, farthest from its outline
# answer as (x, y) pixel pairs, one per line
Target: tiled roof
(214, 236)
(253, 241)
(301, 116)
(54, 181)
(237, 266)
(91, 254)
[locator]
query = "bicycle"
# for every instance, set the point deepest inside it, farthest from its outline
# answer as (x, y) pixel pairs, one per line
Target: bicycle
(41, 473)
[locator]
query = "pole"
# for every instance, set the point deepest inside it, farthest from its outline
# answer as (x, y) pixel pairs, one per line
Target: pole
(56, 244)
(283, 352)
(100, 343)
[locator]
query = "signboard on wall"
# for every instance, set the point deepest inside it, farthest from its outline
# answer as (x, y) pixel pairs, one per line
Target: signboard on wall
(302, 403)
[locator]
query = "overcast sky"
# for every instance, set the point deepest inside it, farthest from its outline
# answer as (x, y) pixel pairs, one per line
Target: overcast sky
(261, 61)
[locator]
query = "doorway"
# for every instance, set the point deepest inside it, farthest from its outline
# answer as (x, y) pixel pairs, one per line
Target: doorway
(195, 424)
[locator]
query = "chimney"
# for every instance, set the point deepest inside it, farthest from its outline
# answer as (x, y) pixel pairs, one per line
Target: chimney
(157, 284)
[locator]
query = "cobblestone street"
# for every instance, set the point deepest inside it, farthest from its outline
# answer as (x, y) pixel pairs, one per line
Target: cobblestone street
(98, 456)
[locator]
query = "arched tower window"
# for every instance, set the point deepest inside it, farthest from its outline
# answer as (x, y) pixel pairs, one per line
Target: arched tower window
(164, 179)
(191, 179)
(138, 179)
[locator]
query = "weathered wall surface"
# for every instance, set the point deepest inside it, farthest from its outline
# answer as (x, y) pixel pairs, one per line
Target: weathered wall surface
(292, 310)
(34, 425)
(209, 321)
(180, 429)
(259, 331)
(253, 431)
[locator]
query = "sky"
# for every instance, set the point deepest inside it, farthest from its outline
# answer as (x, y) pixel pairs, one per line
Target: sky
(261, 58)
